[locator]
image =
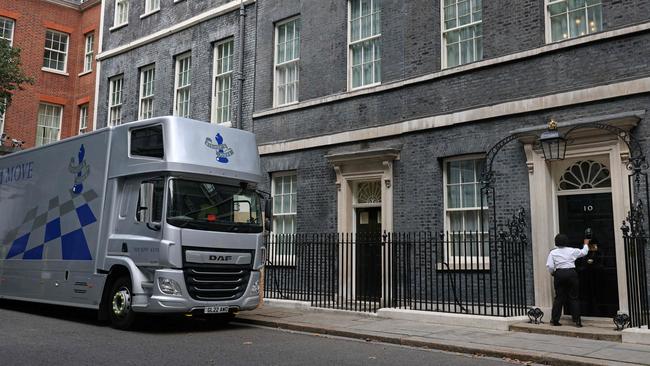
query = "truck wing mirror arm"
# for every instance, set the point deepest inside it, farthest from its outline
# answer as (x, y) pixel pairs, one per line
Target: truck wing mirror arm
(155, 226)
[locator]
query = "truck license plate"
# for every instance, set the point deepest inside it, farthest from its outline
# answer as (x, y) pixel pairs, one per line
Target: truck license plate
(216, 309)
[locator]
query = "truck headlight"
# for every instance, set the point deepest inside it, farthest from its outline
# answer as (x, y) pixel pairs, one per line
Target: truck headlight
(255, 288)
(168, 286)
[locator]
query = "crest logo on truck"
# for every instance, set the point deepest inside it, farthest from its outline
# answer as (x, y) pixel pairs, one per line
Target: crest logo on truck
(222, 150)
(81, 170)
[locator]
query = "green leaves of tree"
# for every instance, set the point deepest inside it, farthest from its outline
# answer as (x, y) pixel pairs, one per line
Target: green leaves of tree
(12, 77)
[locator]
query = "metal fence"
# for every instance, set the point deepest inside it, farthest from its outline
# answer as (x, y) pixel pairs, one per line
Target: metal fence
(461, 272)
(635, 241)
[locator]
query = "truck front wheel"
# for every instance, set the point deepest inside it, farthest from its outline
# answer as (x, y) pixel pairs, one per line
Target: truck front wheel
(119, 307)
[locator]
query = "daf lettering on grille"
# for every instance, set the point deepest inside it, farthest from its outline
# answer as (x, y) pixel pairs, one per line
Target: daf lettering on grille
(221, 258)
(199, 256)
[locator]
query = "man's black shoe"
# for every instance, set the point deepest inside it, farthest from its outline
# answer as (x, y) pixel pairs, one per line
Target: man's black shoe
(555, 324)
(578, 325)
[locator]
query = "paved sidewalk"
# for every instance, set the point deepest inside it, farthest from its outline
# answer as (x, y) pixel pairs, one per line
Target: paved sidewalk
(538, 348)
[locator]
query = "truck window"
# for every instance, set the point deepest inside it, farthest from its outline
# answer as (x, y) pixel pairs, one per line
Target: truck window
(150, 201)
(212, 206)
(148, 141)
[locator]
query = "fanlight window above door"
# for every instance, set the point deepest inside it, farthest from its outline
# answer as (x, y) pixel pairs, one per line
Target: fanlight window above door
(369, 192)
(585, 174)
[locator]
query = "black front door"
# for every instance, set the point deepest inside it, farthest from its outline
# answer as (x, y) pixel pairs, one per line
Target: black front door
(597, 271)
(368, 253)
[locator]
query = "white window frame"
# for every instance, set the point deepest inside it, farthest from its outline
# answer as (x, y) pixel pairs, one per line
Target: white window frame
(147, 98)
(481, 261)
(39, 125)
(275, 257)
(151, 6)
(65, 52)
(121, 17)
(295, 63)
(549, 30)
(115, 100)
(88, 52)
(443, 39)
(219, 75)
(83, 118)
(178, 88)
(5, 21)
(376, 37)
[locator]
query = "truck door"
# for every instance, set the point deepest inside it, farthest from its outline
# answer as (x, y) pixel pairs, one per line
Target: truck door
(138, 233)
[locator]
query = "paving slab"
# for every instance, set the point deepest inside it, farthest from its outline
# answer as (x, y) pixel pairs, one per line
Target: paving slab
(541, 348)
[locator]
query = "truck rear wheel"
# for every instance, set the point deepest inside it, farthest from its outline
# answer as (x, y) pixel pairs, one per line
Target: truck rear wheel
(119, 304)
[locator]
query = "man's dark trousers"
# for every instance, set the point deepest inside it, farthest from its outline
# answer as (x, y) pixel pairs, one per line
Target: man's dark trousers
(566, 290)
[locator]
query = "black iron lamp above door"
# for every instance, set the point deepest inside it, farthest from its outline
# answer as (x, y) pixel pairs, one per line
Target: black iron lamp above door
(553, 143)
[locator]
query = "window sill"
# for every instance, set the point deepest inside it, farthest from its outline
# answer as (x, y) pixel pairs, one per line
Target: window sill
(85, 73)
(224, 124)
(116, 27)
(445, 67)
(54, 71)
(149, 13)
(286, 104)
(550, 42)
(364, 87)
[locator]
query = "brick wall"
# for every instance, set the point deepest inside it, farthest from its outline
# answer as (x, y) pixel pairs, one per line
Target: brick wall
(550, 73)
(85, 84)
(199, 40)
(170, 13)
(32, 19)
(411, 46)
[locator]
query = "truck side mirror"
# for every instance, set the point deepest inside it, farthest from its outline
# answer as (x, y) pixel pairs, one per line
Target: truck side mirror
(149, 207)
(140, 212)
(268, 208)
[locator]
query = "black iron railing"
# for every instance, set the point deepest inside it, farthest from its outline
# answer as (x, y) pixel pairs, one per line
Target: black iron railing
(464, 272)
(635, 264)
(635, 241)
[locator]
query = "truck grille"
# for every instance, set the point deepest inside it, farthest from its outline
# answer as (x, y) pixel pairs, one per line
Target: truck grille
(217, 282)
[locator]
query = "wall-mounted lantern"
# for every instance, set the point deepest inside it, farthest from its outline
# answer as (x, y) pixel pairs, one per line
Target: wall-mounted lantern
(553, 143)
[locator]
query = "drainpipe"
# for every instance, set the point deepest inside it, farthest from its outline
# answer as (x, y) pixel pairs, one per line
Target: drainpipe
(240, 77)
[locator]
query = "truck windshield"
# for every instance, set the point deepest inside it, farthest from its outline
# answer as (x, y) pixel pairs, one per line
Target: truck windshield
(215, 207)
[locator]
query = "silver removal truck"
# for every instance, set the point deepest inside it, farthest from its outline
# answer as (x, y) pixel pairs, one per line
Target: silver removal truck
(156, 216)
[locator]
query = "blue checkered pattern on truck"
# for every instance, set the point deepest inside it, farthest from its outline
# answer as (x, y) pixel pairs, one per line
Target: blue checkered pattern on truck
(57, 233)
(41, 232)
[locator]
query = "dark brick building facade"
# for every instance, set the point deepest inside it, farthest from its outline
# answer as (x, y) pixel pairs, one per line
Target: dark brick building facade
(194, 28)
(334, 136)
(391, 106)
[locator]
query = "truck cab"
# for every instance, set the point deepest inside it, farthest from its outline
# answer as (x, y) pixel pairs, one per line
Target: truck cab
(185, 221)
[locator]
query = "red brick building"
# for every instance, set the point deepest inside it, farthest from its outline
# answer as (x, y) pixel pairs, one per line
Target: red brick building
(58, 41)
